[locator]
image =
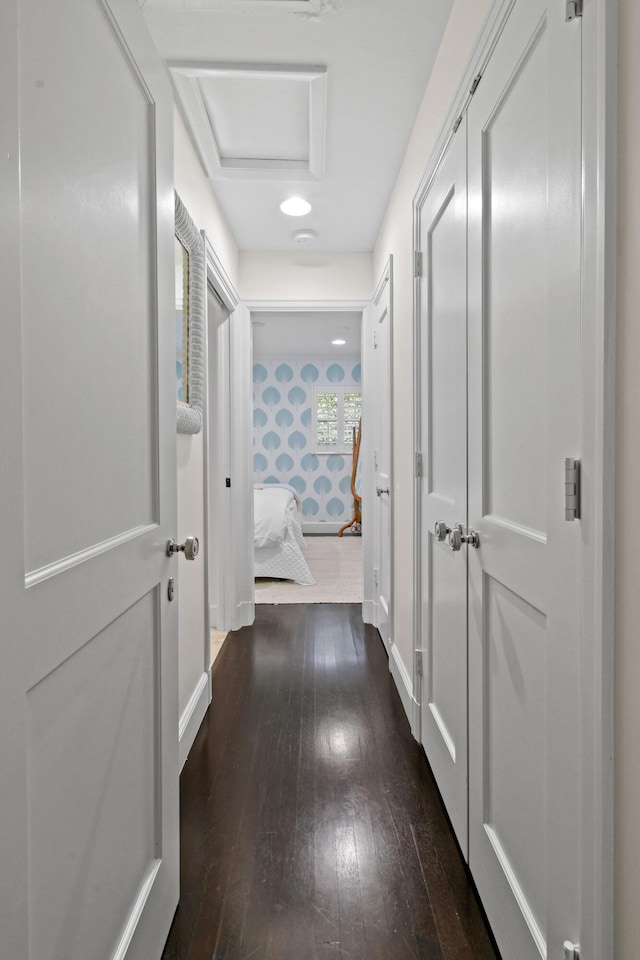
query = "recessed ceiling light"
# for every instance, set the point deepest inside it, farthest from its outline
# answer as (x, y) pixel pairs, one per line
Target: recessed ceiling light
(295, 207)
(338, 343)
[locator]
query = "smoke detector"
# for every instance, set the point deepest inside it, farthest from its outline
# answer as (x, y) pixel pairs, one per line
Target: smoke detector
(303, 236)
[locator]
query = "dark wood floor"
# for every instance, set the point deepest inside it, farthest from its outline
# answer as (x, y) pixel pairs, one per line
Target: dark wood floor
(310, 824)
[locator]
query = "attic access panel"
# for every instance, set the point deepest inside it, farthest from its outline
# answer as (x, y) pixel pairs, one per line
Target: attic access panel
(254, 121)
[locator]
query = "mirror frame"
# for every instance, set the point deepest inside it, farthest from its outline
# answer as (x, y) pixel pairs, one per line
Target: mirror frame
(189, 415)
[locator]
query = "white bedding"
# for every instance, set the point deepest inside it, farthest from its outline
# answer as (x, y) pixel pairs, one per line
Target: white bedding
(278, 540)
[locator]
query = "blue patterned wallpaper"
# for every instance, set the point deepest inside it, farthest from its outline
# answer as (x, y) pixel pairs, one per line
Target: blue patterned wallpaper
(283, 434)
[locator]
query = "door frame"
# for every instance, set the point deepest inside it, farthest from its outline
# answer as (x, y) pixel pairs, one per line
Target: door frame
(230, 420)
(375, 401)
(599, 158)
(320, 306)
(216, 431)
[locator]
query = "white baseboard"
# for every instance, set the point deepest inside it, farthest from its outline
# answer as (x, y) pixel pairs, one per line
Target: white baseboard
(243, 615)
(193, 716)
(330, 528)
(368, 611)
(403, 683)
(416, 721)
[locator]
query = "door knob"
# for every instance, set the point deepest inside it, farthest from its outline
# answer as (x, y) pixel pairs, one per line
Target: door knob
(441, 530)
(190, 548)
(457, 537)
(381, 490)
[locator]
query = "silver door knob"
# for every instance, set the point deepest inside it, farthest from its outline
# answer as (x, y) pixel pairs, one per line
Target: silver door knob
(441, 530)
(381, 490)
(190, 548)
(457, 537)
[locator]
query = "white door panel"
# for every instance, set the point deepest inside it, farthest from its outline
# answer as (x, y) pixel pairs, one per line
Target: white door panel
(382, 327)
(88, 727)
(241, 581)
(380, 426)
(443, 338)
(218, 412)
(524, 402)
(82, 193)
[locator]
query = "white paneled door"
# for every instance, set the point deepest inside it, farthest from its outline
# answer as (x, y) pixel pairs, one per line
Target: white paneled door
(382, 359)
(88, 688)
(524, 130)
(500, 330)
(443, 358)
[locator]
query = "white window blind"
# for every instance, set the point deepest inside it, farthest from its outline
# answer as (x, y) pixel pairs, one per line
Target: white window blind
(337, 412)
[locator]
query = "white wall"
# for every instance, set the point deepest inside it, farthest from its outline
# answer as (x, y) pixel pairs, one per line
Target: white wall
(306, 276)
(396, 237)
(627, 747)
(196, 194)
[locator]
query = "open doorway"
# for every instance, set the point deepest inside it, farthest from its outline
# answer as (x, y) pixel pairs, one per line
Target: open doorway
(307, 408)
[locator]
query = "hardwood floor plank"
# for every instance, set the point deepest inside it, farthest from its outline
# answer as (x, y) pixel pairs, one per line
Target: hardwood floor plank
(311, 828)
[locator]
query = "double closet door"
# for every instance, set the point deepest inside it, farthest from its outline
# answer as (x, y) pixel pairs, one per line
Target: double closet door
(500, 324)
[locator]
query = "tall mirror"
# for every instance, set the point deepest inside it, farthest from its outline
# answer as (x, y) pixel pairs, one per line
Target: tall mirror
(189, 267)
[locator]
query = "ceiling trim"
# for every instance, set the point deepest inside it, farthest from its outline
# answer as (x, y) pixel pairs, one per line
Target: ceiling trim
(306, 306)
(297, 6)
(187, 77)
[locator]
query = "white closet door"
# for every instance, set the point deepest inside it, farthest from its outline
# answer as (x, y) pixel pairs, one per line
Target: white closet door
(524, 130)
(88, 692)
(443, 339)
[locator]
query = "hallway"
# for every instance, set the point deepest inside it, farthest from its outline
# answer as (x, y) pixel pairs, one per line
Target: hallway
(310, 824)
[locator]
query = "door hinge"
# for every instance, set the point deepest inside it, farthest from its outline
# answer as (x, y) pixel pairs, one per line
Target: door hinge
(417, 264)
(375, 339)
(418, 465)
(571, 951)
(572, 10)
(419, 663)
(571, 489)
(376, 579)
(475, 84)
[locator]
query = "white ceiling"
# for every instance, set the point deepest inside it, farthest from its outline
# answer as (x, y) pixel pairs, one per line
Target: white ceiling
(315, 98)
(305, 334)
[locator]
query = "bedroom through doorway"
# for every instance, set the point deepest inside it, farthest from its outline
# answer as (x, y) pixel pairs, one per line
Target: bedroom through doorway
(307, 407)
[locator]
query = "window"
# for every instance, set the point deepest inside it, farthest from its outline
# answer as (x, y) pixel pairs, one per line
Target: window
(337, 412)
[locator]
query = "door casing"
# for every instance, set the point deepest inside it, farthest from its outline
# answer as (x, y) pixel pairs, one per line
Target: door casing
(319, 306)
(229, 430)
(375, 402)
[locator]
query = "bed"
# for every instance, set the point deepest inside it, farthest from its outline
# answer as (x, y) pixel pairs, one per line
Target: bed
(278, 540)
